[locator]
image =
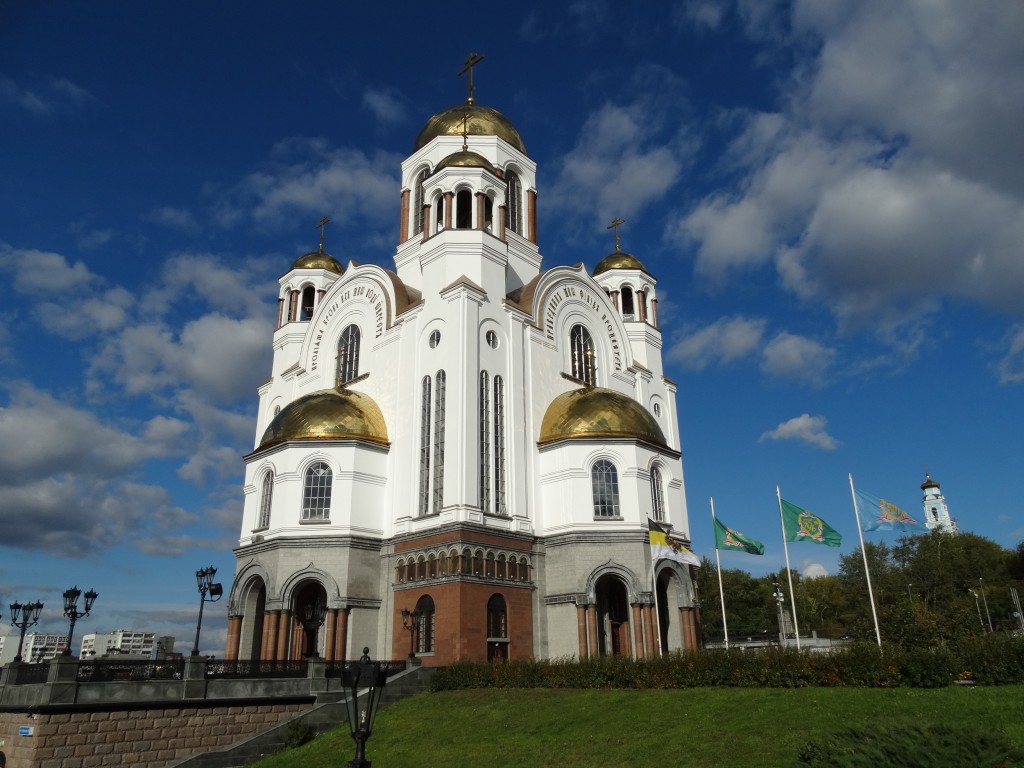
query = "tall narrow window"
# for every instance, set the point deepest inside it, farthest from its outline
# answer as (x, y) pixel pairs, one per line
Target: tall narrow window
(426, 628)
(464, 209)
(605, 482)
(497, 626)
(308, 299)
(657, 496)
(628, 310)
(348, 354)
(316, 494)
(418, 212)
(515, 202)
(485, 442)
(266, 493)
(581, 347)
(499, 446)
(438, 457)
(424, 505)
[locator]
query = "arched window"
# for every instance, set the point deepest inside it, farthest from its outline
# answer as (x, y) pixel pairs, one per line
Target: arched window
(348, 355)
(419, 201)
(438, 213)
(464, 209)
(489, 565)
(657, 496)
(316, 494)
(308, 299)
(524, 569)
(581, 347)
(266, 495)
(500, 567)
(605, 482)
(424, 505)
(497, 624)
(628, 311)
(478, 563)
(438, 457)
(488, 214)
(400, 571)
(499, 446)
(485, 442)
(425, 631)
(515, 202)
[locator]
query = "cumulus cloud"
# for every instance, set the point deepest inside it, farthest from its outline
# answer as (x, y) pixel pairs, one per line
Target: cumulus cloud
(797, 357)
(805, 428)
(889, 179)
(725, 340)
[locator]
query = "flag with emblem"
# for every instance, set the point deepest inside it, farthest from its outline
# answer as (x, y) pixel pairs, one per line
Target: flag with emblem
(727, 538)
(665, 547)
(877, 514)
(800, 524)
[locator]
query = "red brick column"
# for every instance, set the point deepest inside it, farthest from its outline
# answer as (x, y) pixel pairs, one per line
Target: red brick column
(531, 207)
(595, 649)
(403, 225)
(427, 222)
(638, 632)
(581, 630)
(341, 637)
(283, 619)
(448, 197)
(234, 638)
(652, 648)
(332, 614)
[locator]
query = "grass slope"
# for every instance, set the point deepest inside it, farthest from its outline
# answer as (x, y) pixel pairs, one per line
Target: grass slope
(695, 727)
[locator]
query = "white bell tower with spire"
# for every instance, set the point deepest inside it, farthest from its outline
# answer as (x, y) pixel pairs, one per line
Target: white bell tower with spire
(936, 512)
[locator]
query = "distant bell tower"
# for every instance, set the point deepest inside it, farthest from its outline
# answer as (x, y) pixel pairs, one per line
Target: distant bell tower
(936, 513)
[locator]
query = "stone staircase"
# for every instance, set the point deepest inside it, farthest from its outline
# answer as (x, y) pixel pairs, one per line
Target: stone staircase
(328, 712)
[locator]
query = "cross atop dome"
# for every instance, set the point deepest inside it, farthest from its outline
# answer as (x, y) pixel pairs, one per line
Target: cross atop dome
(471, 61)
(616, 223)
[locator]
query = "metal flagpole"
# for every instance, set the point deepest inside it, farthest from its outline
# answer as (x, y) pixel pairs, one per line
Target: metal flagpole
(867, 572)
(718, 564)
(789, 572)
(654, 592)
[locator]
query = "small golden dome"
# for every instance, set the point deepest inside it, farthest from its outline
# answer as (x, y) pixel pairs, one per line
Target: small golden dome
(331, 414)
(598, 412)
(479, 121)
(318, 260)
(466, 159)
(619, 260)
(929, 483)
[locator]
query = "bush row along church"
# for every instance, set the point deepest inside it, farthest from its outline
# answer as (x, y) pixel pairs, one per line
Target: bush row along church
(469, 446)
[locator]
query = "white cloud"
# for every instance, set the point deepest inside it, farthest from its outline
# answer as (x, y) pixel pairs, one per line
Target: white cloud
(725, 340)
(386, 105)
(797, 357)
(43, 271)
(812, 570)
(45, 96)
(805, 428)
(1010, 368)
(174, 218)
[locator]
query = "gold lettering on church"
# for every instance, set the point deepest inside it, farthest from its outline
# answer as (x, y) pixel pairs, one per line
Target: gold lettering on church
(595, 304)
(363, 293)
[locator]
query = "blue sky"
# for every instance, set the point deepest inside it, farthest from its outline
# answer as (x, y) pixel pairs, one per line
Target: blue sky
(830, 192)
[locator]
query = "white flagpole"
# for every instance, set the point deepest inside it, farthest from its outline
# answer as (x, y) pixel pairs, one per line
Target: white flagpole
(867, 572)
(718, 564)
(789, 572)
(654, 591)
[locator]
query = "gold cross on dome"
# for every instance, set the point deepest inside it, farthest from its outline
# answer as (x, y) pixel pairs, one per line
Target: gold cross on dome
(323, 223)
(616, 223)
(471, 61)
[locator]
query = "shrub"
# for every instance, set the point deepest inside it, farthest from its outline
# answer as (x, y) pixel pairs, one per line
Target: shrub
(912, 746)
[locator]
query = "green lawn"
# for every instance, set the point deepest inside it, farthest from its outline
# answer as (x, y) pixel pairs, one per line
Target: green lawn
(696, 727)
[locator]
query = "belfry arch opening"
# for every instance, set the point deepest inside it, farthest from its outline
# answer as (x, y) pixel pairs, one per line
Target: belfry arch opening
(306, 636)
(612, 616)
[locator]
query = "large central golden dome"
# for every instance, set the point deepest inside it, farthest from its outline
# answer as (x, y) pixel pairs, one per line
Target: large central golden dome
(479, 121)
(330, 414)
(598, 412)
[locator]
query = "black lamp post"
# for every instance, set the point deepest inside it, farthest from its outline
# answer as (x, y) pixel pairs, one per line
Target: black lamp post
(314, 614)
(71, 610)
(23, 616)
(369, 678)
(204, 580)
(411, 622)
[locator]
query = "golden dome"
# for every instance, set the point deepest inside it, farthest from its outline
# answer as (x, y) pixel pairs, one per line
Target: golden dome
(929, 483)
(466, 159)
(598, 412)
(331, 414)
(480, 121)
(619, 260)
(318, 260)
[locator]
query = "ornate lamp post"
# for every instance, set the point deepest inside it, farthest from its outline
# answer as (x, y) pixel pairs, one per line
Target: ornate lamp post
(71, 610)
(204, 580)
(411, 622)
(780, 598)
(23, 616)
(314, 614)
(369, 678)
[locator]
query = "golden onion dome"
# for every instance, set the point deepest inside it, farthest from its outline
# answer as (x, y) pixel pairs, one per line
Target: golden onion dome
(466, 159)
(929, 483)
(598, 412)
(479, 121)
(619, 260)
(331, 414)
(318, 260)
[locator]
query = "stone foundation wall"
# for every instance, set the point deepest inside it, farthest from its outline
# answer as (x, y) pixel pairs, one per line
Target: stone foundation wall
(137, 736)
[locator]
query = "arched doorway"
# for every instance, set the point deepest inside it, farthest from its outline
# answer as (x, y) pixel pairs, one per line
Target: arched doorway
(612, 616)
(310, 607)
(253, 606)
(675, 601)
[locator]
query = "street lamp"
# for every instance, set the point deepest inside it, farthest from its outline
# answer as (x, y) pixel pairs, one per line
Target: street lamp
(71, 610)
(23, 616)
(984, 600)
(314, 614)
(411, 621)
(204, 580)
(978, 606)
(370, 678)
(780, 598)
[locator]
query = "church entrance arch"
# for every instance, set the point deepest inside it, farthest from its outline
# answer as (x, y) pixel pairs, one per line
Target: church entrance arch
(612, 616)
(253, 609)
(310, 600)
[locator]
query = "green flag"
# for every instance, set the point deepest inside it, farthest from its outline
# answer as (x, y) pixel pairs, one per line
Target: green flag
(727, 538)
(801, 525)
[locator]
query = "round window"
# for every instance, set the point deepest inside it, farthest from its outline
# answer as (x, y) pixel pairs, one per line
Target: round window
(492, 339)
(435, 339)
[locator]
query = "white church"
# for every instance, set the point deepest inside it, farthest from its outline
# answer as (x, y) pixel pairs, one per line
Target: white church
(458, 458)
